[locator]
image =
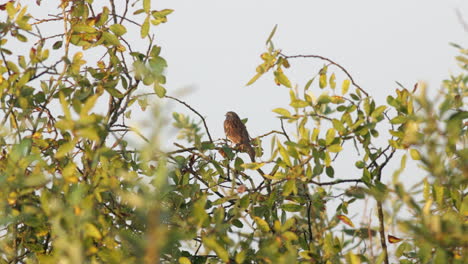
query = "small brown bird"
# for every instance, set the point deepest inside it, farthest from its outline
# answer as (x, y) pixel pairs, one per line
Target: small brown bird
(237, 133)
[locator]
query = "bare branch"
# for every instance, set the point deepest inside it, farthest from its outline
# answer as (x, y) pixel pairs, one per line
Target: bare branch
(196, 112)
(333, 63)
(284, 131)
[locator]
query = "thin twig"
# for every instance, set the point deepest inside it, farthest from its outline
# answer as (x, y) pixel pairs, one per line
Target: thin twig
(332, 62)
(335, 182)
(195, 111)
(284, 131)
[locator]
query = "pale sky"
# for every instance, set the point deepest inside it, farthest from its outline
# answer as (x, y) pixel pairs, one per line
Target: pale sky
(214, 46)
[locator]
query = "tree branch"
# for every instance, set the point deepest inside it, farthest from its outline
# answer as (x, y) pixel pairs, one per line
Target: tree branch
(333, 63)
(195, 111)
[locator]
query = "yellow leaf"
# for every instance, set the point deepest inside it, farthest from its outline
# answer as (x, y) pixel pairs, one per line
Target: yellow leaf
(252, 166)
(282, 78)
(323, 81)
(284, 154)
(345, 220)
(254, 79)
(282, 111)
(64, 149)
(92, 231)
(345, 86)
(146, 5)
(415, 154)
(88, 105)
(240, 257)
(211, 243)
(65, 106)
(332, 81)
(37, 135)
(335, 148)
(184, 260)
(262, 224)
(145, 27)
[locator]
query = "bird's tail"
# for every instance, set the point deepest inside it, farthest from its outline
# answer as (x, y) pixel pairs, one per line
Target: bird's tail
(251, 151)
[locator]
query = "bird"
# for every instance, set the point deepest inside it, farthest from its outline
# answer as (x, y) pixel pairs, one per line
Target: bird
(237, 133)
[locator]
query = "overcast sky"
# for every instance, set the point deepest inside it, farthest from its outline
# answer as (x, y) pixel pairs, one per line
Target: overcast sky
(214, 47)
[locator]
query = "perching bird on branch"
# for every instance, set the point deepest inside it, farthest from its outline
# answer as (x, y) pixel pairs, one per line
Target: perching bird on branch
(237, 133)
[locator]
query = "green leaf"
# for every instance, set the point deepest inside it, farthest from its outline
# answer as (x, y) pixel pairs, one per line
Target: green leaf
(240, 257)
(335, 148)
(324, 99)
(57, 45)
(83, 28)
(159, 90)
(330, 136)
(253, 165)
(403, 248)
(289, 187)
(308, 84)
(238, 164)
(355, 97)
(89, 104)
(399, 120)
(110, 38)
(118, 29)
(345, 86)
(282, 112)
(271, 34)
(338, 126)
(255, 78)
(211, 243)
(114, 92)
(65, 106)
(367, 107)
(145, 27)
(103, 16)
(292, 207)
(89, 133)
(298, 103)
(378, 111)
(64, 149)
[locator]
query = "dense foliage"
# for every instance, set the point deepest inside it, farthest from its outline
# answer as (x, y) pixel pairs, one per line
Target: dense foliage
(74, 189)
